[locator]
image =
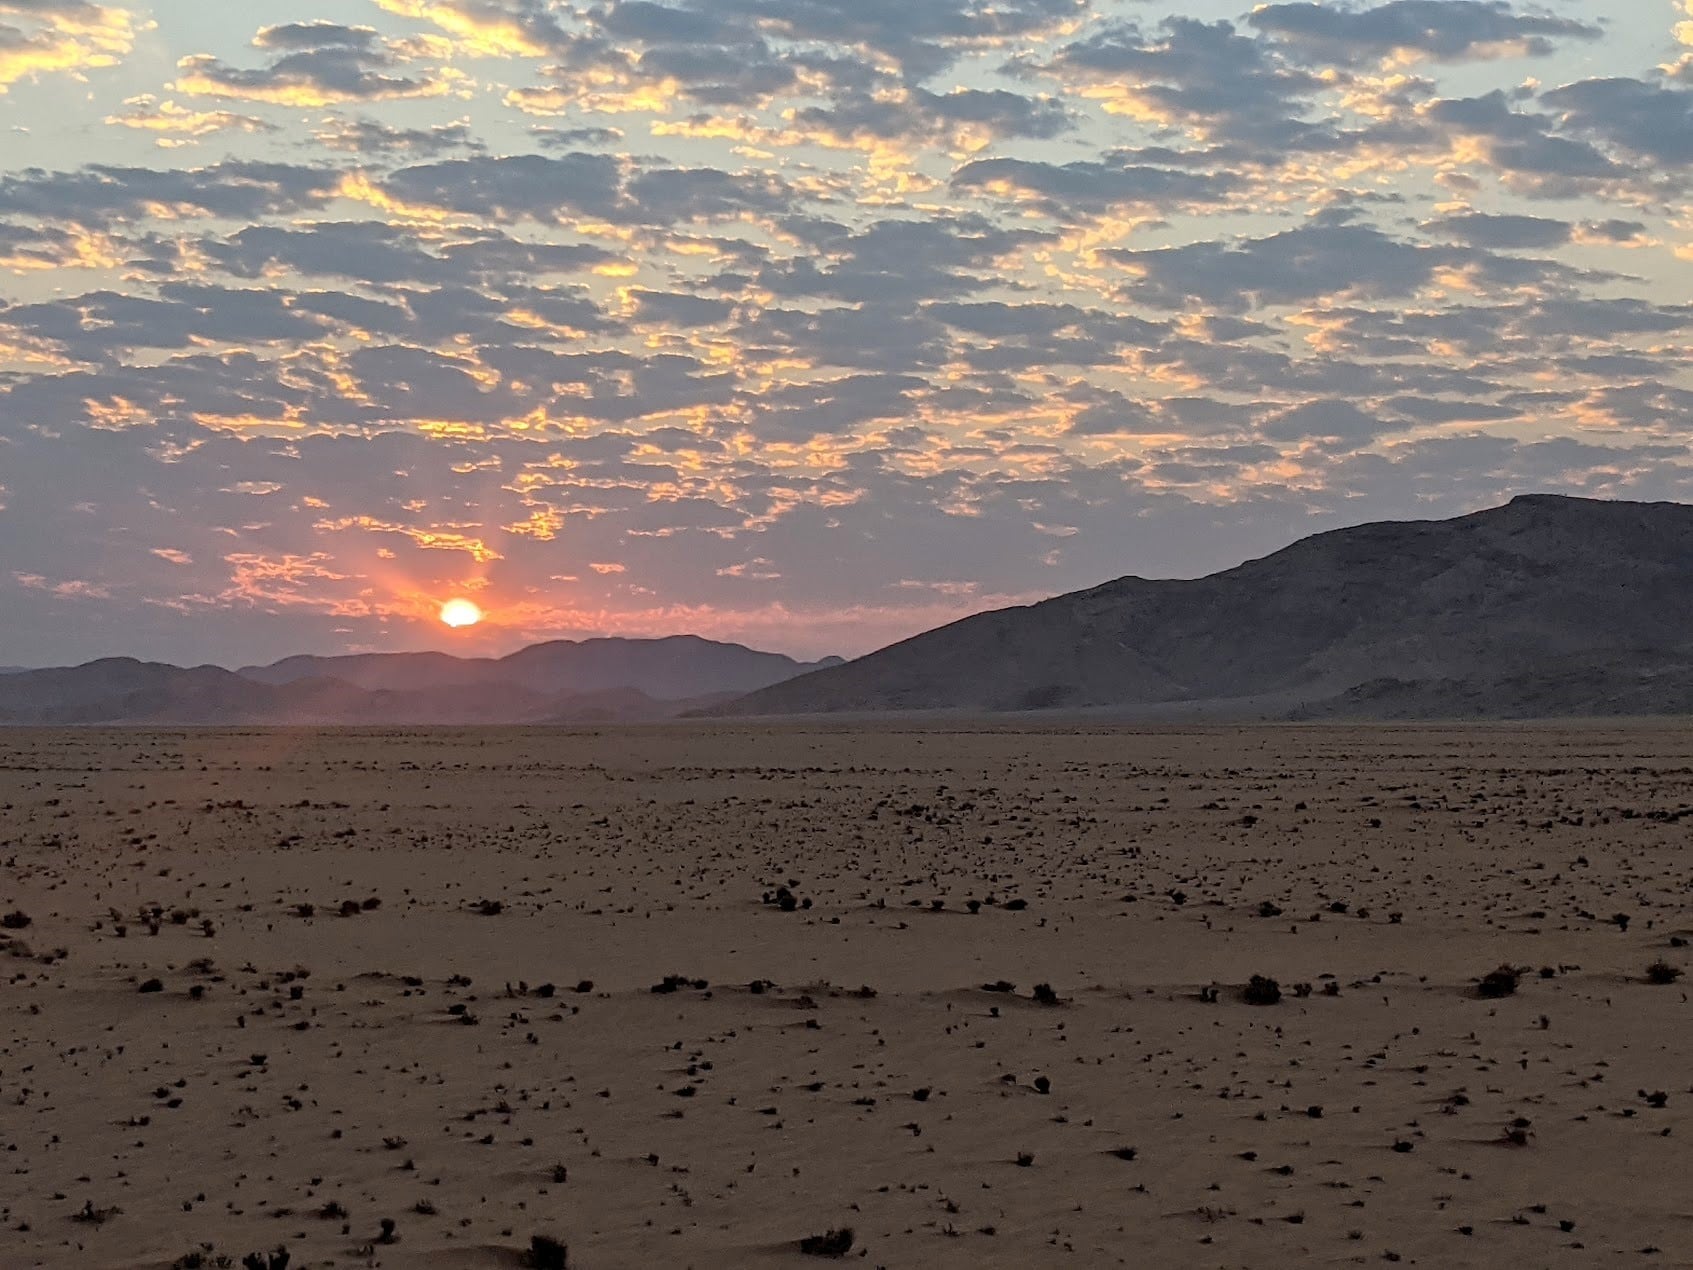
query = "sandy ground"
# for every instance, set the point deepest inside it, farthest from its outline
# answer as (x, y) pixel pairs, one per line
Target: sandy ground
(475, 1052)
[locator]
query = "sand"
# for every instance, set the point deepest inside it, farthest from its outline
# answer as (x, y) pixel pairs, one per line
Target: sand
(475, 1052)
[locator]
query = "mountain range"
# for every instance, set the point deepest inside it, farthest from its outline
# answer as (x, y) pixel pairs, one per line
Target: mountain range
(1550, 606)
(601, 680)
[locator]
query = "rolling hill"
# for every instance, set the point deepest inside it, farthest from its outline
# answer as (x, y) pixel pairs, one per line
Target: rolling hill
(593, 682)
(674, 668)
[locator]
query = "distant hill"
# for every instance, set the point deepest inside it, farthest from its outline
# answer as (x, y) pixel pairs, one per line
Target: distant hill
(1550, 606)
(599, 681)
(679, 667)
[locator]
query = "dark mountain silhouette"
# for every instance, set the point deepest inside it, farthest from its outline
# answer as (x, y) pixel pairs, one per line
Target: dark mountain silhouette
(1548, 606)
(679, 667)
(594, 682)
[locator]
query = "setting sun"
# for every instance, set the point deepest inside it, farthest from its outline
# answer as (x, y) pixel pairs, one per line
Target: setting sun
(460, 613)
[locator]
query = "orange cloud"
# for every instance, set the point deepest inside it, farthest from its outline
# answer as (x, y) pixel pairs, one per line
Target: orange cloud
(69, 38)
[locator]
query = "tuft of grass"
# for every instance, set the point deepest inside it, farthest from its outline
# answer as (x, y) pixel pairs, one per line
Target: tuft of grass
(1261, 991)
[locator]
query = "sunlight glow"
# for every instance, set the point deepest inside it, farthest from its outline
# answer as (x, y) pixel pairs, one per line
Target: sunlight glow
(460, 613)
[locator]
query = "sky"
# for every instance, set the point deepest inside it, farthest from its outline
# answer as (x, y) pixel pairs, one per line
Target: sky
(809, 324)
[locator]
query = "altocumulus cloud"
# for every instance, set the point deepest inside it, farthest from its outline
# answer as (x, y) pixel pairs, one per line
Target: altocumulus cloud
(805, 322)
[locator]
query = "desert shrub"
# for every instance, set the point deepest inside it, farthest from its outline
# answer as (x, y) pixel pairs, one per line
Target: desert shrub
(836, 1243)
(675, 983)
(1499, 983)
(1661, 972)
(16, 920)
(1261, 991)
(547, 1253)
(1045, 995)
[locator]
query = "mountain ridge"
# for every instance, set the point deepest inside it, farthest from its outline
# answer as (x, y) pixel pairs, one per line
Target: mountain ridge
(615, 681)
(673, 667)
(1458, 613)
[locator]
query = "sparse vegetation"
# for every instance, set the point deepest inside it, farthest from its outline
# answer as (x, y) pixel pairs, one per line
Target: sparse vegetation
(1662, 973)
(1261, 991)
(836, 1243)
(547, 1253)
(1501, 982)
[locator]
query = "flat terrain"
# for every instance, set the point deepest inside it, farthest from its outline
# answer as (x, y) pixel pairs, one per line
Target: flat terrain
(409, 976)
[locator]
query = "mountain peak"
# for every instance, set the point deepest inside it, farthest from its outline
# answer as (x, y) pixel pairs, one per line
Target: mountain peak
(1549, 605)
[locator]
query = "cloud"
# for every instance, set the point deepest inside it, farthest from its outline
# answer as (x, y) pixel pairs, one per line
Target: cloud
(233, 188)
(964, 299)
(47, 37)
(1094, 186)
(1292, 267)
(315, 64)
(373, 138)
(1503, 232)
(566, 187)
(1646, 120)
(1408, 30)
(1190, 74)
(172, 125)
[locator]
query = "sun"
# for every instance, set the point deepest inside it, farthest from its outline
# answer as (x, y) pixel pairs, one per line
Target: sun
(458, 613)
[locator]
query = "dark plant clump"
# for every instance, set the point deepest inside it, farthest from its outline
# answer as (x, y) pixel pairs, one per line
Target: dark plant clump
(1261, 991)
(675, 983)
(277, 1260)
(1045, 995)
(837, 1243)
(1661, 972)
(15, 920)
(152, 985)
(547, 1253)
(1499, 983)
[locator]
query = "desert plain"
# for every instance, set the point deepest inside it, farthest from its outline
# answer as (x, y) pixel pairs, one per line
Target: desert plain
(685, 996)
